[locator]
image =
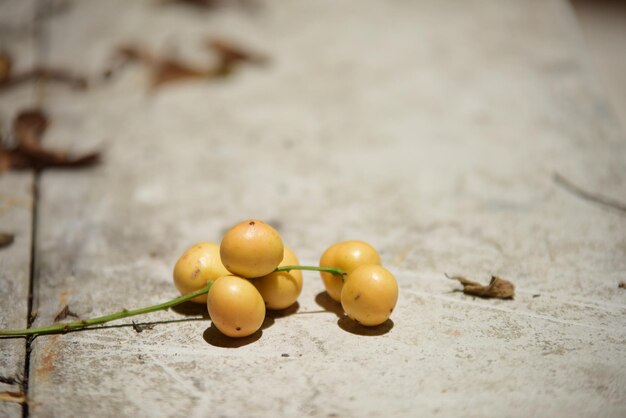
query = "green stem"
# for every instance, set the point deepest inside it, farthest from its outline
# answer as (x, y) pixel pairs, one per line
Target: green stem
(125, 313)
(333, 270)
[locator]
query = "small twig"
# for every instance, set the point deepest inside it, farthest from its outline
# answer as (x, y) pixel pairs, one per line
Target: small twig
(584, 194)
(86, 323)
(125, 313)
(333, 270)
(141, 327)
(64, 313)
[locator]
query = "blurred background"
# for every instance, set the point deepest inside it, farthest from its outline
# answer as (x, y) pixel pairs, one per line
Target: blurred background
(603, 24)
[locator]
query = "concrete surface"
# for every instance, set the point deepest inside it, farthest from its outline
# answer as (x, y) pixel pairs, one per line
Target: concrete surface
(431, 130)
(603, 25)
(16, 205)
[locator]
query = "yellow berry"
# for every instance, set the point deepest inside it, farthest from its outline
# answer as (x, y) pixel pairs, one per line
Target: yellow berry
(251, 249)
(199, 264)
(369, 295)
(281, 289)
(235, 306)
(347, 256)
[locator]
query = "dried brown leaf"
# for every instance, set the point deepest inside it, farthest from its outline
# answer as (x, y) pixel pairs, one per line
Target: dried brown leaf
(9, 396)
(202, 4)
(170, 70)
(29, 127)
(134, 53)
(497, 288)
(231, 55)
(6, 63)
(6, 239)
(8, 79)
(141, 327)
(64, 313)
(212, 4)
(165, 69)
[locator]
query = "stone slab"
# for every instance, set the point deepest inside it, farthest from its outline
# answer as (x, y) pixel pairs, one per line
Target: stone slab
(16, 204)
(432, 130)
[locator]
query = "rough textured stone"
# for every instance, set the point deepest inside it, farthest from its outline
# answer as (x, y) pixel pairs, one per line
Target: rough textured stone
(433, 131)
(16, 204)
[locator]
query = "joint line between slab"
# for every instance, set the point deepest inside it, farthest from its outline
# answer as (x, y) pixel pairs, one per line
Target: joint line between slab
(40, 44)
(31, 286)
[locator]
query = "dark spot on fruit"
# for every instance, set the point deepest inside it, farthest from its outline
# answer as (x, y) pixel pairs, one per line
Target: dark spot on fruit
(238, 328)
(251, 223)
(391, 310)
(358, 295)
(195, 273)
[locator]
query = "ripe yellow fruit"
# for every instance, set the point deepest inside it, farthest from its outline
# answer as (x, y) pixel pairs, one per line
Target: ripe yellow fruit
(347, 255)
(251, 249)
(199, 264)
(235, 306)
(369, 295)
(281, 289)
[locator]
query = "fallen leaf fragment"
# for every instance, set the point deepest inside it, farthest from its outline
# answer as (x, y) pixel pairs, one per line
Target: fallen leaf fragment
(29, 127)
(6, 63)
(231, 55)
(141, 327)
(163, 70)
(9, 79)
(64, 313)
(211, 4)
(497, 288)
(6, 239)
(8, 396)
(622, 285)
(167, 69)
(201, 4)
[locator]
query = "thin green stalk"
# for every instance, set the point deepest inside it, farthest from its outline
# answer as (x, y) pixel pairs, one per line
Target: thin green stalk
(125, 313)
(333, 270)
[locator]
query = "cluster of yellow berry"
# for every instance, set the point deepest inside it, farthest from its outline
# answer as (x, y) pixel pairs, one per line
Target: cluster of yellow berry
(252, 270)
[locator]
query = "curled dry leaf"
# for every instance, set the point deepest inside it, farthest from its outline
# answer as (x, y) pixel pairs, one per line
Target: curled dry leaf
(6, 239)
(29, 127)
(212, 4)
(166, 69)
(163, 70)
(9, 79)
(64, 313)
(9, 396)
(497, 288)
(6, 64)
(200, 4)
(231, 55)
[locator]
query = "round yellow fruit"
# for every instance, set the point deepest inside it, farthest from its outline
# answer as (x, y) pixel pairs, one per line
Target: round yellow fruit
(198, 265)
(369, 295)
(235, 306)
(251, 249)
(281, 289)
(346, 255)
